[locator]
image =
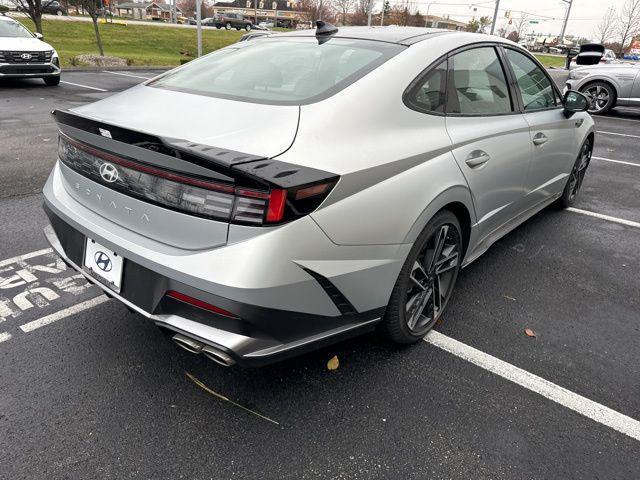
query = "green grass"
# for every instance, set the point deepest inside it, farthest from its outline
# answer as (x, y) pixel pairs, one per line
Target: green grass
(139, 44)
(551, 60)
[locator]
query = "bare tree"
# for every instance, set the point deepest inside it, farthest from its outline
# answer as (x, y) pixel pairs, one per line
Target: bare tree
(503, 31)
(607, 26)
(521, 24)
(33, 9)
(93, 8)
(313, 10)
(344, 7)
(628, 23)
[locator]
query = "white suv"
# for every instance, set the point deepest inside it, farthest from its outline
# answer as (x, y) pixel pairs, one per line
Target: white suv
(24, 55)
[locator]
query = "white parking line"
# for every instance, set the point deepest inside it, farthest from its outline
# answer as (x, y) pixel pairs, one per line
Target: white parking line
(616, 161)
(126, 75)
(24, 256)
(605, 217)
(85, 86)
(578, 403)
(618, 134)
(59, 315)
(588, 408)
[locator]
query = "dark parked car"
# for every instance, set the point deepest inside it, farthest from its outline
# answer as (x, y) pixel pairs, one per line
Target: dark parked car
(54, 8)
(231, 20)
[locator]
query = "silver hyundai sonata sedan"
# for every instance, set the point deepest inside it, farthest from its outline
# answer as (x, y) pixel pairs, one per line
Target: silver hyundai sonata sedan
(291, 191)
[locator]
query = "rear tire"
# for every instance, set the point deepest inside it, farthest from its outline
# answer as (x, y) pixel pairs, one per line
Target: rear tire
(426, 280)
(52, 81)
(601, 96)
(576, 177)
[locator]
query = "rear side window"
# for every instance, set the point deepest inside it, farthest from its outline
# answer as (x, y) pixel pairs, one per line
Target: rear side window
(477, 84)
(280, 71)
(535, 86)
(429, 92)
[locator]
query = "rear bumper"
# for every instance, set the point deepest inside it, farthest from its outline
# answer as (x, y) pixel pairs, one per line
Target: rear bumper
(242, 339)
(17, 70)
(282, 285)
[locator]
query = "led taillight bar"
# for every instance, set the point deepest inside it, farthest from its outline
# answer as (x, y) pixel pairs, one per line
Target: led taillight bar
(242, 205)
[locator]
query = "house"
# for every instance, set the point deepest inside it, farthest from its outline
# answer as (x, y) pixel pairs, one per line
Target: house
(283, 13)
(434, 21)
(146, 10)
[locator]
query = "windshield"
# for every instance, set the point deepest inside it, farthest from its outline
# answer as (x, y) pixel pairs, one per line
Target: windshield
(13, 29)
(280, 71)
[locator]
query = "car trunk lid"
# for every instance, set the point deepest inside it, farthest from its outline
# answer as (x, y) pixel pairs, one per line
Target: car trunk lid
(590, 54)
(176, 182)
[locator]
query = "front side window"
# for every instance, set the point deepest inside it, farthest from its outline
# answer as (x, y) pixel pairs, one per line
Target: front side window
(282, 71)
(535, 86)
(477, 83)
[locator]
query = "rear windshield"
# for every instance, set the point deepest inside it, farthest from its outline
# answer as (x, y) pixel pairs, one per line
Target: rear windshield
(280, 71)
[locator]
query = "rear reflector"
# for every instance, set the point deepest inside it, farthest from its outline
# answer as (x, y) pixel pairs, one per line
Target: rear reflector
(277, 200)
(199, 303)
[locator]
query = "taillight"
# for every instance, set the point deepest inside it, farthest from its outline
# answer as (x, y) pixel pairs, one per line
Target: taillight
(197, 196)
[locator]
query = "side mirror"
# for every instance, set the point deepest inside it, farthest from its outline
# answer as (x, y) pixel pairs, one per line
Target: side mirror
(574, 102)
(39, 36)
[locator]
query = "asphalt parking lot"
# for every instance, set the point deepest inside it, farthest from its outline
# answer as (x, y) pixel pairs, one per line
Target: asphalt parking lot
(89, 390)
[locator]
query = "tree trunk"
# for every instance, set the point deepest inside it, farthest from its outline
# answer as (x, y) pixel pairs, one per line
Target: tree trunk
(94, 17)
(36, 16)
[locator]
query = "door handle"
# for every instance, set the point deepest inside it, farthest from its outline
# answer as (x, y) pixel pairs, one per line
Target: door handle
(539, 139)
(477, 158)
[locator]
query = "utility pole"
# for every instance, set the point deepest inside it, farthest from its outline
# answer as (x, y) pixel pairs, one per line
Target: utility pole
(382, 15)
(566, 19)
(255, 17)
(369, 9)
(199, 25)
(495, 17)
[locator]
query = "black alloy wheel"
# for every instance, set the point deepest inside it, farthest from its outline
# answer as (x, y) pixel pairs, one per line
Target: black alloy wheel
(426, 280)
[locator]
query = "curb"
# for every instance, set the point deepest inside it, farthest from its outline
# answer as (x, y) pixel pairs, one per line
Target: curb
(118, 69)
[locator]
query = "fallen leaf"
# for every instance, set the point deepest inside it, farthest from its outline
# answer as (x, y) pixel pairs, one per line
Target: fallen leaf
(333, 363)
(509, 298)
(529, 332)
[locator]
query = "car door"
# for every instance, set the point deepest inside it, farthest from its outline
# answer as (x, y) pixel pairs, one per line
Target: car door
(553, 135)
(490, 138)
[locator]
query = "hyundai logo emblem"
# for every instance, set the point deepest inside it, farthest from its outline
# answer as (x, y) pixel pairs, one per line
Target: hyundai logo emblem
(25, 56)
(108, 172)
(103, 261)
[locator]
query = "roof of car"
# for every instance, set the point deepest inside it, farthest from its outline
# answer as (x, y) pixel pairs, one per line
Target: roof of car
(392, 34)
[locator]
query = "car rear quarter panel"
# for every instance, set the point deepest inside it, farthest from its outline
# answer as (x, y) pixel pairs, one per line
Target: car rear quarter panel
(395, 163)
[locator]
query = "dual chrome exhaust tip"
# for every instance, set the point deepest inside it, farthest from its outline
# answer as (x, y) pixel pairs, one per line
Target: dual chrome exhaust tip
(194, 346)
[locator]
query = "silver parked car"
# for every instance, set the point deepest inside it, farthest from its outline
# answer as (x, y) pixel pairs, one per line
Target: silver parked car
(281, 194)
(607, 85)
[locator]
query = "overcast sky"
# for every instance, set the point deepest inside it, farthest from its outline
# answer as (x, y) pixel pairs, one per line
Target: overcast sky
(585, 14)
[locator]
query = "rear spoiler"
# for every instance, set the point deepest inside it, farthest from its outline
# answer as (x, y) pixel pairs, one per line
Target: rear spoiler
(241, 168)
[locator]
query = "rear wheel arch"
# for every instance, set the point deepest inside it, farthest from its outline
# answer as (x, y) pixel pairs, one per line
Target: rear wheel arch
(461, 212)
(457, 200)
